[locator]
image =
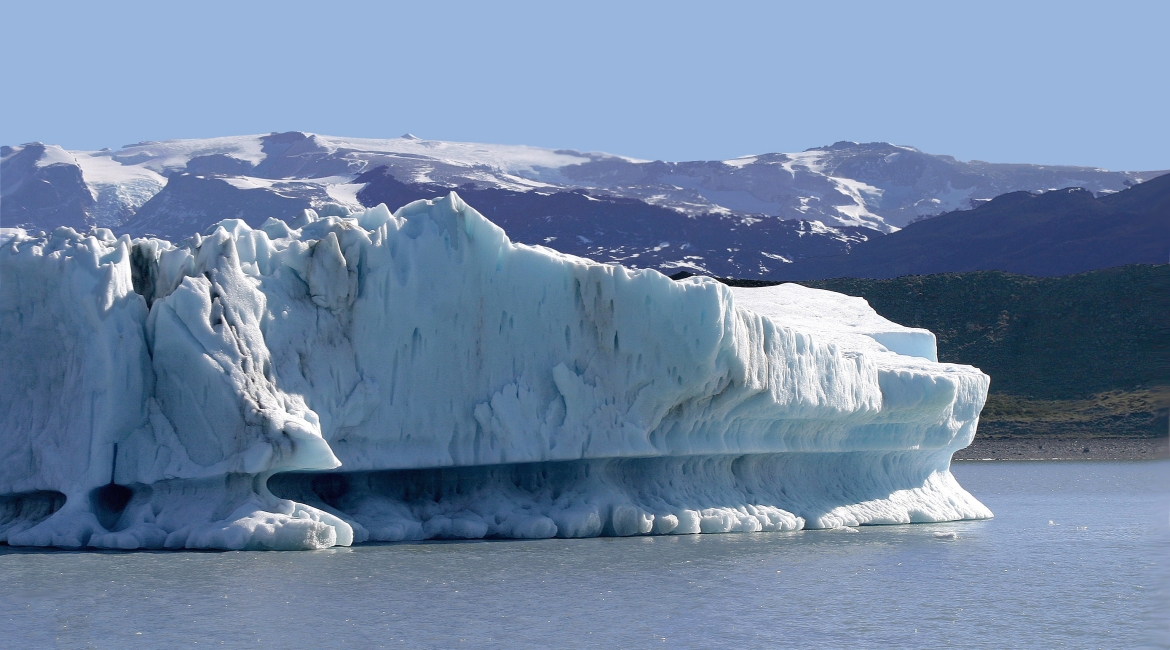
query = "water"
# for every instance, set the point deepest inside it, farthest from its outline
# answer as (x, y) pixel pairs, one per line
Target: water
(1078, 555)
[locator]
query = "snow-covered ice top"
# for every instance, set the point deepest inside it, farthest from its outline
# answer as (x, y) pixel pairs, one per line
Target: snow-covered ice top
(834, 315)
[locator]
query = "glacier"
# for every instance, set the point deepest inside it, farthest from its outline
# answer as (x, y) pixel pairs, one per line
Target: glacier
(378, 376)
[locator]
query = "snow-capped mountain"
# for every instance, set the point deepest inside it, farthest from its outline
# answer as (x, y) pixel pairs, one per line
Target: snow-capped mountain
(742, 217)
(309, 169)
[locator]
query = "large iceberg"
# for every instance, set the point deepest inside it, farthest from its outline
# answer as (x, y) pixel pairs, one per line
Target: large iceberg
(378, 376)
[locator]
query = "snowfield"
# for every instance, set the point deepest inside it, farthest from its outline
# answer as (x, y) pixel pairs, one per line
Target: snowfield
(379, 376)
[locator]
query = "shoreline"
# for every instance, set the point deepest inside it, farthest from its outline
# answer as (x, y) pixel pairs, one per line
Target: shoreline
(1069, 448)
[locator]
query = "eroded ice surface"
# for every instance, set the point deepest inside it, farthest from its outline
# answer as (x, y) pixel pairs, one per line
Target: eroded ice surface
(412, 375)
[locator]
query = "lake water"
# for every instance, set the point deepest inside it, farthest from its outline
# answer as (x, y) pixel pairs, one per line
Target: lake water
(1078, 555)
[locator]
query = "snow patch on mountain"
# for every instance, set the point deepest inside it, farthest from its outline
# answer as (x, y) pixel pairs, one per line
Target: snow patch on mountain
(54, 155)
(173, 155)
(863, 195)
(118, 189)
(806, 161)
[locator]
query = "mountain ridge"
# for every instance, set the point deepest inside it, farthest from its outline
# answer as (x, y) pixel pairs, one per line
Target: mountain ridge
(752, 216)
(1049, 234)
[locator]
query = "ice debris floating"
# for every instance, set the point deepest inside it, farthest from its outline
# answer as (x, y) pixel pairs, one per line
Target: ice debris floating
(378, 376)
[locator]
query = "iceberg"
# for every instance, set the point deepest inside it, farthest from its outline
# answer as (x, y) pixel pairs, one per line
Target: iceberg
(401, 376)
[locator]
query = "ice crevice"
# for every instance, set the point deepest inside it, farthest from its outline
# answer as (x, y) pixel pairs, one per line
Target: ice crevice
(414, 375)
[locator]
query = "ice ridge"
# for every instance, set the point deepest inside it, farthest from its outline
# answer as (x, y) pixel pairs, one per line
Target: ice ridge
(410, 375)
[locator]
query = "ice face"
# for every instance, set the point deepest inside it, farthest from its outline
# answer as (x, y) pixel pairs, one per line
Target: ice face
(362, 360)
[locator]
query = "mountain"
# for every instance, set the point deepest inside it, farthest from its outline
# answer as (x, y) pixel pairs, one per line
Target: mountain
(1049, 234)
(43, 186)
(632, 232)
(876, 185)
(745, 217)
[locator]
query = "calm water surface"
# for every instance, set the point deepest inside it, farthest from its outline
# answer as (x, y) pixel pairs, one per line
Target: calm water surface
(1078, 555)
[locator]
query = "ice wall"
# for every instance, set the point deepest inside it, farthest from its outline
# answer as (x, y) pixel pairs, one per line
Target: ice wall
(456, 384)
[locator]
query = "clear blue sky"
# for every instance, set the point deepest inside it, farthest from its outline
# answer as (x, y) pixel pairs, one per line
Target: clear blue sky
(1058, 83)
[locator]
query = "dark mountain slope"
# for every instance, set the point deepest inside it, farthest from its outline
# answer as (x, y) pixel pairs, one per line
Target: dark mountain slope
(190, 203)
(1055, 233)
(1061, 337)
(38, 196)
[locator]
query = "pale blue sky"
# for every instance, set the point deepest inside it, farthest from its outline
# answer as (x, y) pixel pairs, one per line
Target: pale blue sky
(1057, 83)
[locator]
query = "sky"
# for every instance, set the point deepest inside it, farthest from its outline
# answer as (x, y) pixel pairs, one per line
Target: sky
(1050, 83)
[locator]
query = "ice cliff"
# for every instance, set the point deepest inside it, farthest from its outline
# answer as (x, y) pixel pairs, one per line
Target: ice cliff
(378, 376)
